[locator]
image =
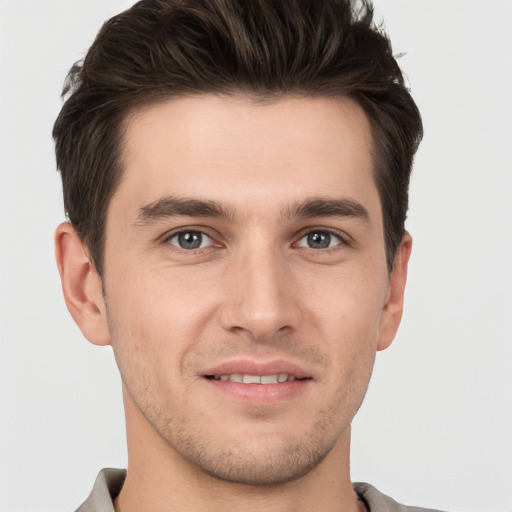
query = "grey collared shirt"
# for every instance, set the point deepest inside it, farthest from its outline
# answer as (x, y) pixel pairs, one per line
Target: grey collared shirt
(110, 481)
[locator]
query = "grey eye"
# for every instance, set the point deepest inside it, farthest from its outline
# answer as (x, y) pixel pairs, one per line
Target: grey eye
(190, 240)
(319, 240)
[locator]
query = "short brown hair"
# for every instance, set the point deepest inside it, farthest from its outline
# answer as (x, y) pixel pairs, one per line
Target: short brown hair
(160, 49)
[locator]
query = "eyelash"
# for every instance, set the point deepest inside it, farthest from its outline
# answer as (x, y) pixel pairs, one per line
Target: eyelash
(168, 239)
(343, 239)
(331, 233)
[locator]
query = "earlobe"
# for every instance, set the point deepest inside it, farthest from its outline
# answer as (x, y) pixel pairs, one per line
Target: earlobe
(81, 285)
(393, 307)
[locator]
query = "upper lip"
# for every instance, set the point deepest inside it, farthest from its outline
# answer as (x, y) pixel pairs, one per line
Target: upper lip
(251, 367)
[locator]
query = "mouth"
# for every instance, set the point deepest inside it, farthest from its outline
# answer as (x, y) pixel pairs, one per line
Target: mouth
(258, 382)
(277, 378)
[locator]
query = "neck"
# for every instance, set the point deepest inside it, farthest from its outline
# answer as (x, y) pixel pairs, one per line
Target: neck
(160, 480)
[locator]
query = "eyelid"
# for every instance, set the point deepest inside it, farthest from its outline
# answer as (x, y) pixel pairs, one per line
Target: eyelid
(203, 230)
(343, 237)
(209, 240)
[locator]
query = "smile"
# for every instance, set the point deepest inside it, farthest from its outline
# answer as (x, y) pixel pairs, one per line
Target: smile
(254, 379)
(258, 383)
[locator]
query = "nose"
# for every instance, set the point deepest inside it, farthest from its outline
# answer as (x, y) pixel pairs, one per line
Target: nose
(259, 296)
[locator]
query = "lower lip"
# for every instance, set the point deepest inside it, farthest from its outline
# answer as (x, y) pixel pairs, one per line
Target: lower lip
(260, 393)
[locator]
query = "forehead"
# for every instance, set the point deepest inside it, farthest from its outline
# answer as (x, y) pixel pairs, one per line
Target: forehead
(237, 150)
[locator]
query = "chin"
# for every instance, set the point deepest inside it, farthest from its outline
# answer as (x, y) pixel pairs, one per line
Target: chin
(272, 468)
(269, 462)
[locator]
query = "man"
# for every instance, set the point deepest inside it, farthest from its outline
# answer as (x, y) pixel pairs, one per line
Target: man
(235, 175)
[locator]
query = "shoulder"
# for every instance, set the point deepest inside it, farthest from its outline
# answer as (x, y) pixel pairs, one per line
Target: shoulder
(378, 502)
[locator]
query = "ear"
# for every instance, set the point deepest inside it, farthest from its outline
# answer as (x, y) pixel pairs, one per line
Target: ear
(81, 285)
(394, 305)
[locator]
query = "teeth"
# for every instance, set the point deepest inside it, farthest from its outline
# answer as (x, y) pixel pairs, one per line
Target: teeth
(252, 379)
(256, 379)
(269, 379)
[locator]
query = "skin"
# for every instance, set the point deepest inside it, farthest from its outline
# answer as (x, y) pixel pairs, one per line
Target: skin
(257, 290)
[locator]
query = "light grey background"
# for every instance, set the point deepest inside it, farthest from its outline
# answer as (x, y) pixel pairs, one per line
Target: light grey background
(435, 429)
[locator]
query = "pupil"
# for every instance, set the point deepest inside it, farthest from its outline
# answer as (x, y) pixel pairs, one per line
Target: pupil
(319, 240)
(190, 240)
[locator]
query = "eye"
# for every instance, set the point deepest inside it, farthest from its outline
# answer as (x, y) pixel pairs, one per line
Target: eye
(320, 240)
(190, 240)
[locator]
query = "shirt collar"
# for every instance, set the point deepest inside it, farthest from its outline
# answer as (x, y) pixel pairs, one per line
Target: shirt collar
(106, 488)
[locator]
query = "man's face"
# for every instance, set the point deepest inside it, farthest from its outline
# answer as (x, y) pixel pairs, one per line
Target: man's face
(245, 243)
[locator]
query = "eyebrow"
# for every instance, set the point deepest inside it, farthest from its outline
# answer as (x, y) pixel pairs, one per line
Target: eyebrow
(343, 207)
(317, 207)
(175, 206)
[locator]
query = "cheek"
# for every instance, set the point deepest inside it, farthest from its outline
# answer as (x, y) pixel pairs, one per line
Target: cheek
(346, 315)
(347, 305)
(155, 319)
(147, 345)
(349, 327)
(155, 299)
